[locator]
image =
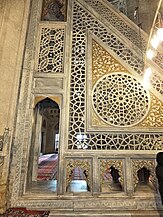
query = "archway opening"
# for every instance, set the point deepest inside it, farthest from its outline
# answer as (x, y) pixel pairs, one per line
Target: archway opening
(45, 145)
(78, 180)
(111, 180)
(144, 182)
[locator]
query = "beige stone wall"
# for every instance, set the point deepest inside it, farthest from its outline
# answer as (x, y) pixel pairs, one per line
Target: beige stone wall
(12, 35)
(13, 26)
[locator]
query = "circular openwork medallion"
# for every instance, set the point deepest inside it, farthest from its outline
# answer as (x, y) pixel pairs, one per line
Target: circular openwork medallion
(120, 100)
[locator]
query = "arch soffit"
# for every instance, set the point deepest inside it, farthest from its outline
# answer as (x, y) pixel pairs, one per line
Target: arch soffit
(56, 99)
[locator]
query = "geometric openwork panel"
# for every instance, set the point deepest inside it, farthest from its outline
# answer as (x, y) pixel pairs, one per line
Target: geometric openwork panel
(85, 24)
(51, 51)
(103, 63)
(119, 47)
(120, 100)
(123, 27)
(117, 22)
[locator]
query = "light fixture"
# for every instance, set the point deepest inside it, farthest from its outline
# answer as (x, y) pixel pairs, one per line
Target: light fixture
(155, 41)
(147, 73)
(159, 34)
(150, 54)
(146, 78)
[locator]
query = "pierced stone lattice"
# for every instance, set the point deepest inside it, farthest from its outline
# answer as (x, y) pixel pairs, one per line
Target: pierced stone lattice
(115, 44)
(117, 164)
(118, 23)
(82, 21)
(120, 100)
(149, 165)
(153, 119)
(51, 50)
(155, 115)
(103, 62)
(85, 165)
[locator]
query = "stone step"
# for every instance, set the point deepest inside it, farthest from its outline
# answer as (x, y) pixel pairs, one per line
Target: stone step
(110, 214)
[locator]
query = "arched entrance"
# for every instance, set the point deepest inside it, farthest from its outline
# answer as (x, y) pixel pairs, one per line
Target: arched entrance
(43, 162)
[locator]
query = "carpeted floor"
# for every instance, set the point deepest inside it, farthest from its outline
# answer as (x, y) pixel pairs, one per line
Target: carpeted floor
(22, 212)
(78, 174)
(47, 167)
(107, 175)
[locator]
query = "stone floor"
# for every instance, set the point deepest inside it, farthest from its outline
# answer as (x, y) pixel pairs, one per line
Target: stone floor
(51, 186)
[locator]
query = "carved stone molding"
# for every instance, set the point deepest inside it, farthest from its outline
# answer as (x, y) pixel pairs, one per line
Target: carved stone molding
(24, 117)
(94, 204)
(1, 161)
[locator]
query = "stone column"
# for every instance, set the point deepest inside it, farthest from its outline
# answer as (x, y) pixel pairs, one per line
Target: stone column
(37, 145)
(128, 188)
(95, 175)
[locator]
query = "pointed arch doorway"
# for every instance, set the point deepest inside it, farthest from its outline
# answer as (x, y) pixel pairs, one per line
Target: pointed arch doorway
(45, 143)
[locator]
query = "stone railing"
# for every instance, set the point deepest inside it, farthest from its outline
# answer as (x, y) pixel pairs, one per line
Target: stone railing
(121, 23)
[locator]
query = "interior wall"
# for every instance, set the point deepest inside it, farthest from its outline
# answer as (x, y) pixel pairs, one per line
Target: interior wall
(13, 26)
(13, 20)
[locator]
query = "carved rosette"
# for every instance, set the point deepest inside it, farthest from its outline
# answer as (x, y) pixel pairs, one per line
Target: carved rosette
(84, 164)
(117, 164)
(149, 165)
(120, 100)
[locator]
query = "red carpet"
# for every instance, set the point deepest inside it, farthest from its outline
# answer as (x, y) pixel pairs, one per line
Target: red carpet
(107, 175)
(47, 168)
(78, 174)
(22, 212)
